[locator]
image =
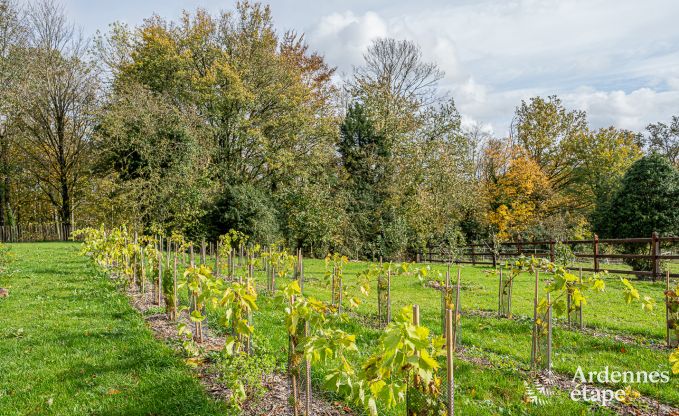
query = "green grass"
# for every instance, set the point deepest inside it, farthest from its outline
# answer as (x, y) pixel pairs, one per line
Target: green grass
(508, 341)
(70, 344)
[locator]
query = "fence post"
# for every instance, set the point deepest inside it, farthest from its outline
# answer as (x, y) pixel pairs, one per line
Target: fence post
(596, 253)
(655, 252)
(551, 251)
(473, 255)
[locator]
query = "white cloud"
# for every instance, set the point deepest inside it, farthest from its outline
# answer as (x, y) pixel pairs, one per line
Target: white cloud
(343, 37)
(615, 59)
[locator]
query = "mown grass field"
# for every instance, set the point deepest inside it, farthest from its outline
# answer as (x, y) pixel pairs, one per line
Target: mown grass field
(71, 344)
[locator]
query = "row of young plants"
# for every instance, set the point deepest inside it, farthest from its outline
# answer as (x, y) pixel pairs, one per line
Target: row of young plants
(405, 366)
(312, 325)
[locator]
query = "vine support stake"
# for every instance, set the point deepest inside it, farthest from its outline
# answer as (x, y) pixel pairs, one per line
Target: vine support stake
(655, 250)
(416, 378)
(582, 323)
(499, 296)
(339, 296)
(534, 344)
(159, 298)
(134, 260)
(388, 296)
(217, 271)
(549, 333)
(667, 308)
(143, 272)
(596, 253)
(450, 372)
(174, 287)
(445, 292)
(456, 330)
(307, 363)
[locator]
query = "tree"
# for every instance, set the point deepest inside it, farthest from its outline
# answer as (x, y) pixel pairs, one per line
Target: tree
(435, 180)
(12, 37)
(647, 201)
(664, 139)
(156, 155)
(518, 199)
(603, 158)
(544, 128)
(261, 101)
(56, 102)
(395, 84)
(366, 158)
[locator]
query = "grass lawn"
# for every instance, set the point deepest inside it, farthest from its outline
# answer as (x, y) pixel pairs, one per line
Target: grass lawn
(507, 342)
(70, 344)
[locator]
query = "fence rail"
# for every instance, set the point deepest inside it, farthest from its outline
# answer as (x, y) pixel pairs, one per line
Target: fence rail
(546, 249)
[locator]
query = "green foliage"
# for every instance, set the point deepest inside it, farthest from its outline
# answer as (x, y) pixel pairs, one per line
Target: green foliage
(169, 293)
(664, 139)
(647, 202)
(248, 385)
(674, 360)
(366, 159)
(237, 304)
(403, 351)
(563, 255)
(245, 208)
(672, 301)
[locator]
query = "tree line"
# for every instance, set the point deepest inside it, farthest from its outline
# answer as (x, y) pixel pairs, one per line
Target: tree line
(208, 123)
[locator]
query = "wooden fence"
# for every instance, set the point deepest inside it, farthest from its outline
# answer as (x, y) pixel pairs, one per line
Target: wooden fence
(29, 232)
(599, 250)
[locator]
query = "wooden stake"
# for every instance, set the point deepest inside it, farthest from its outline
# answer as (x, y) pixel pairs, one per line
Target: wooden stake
(416, 322)
(307, 398)
(174, 288)
(533, 353)
(450, 372)
(217, 268)
(134, 261)
(160, 273)
(667, 309)
(499, 297)
(301, 271)
(143, 271)
(457, 310)
(582, 322)
(388, 296)
(549, 333)
(339, 305)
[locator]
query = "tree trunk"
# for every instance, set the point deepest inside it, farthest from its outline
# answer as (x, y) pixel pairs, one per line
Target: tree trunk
(65, 210)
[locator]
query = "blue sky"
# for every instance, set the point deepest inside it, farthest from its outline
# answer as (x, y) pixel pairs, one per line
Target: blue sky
(618, 60)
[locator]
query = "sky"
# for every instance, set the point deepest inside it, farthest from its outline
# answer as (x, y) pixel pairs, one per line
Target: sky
(616, 59)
